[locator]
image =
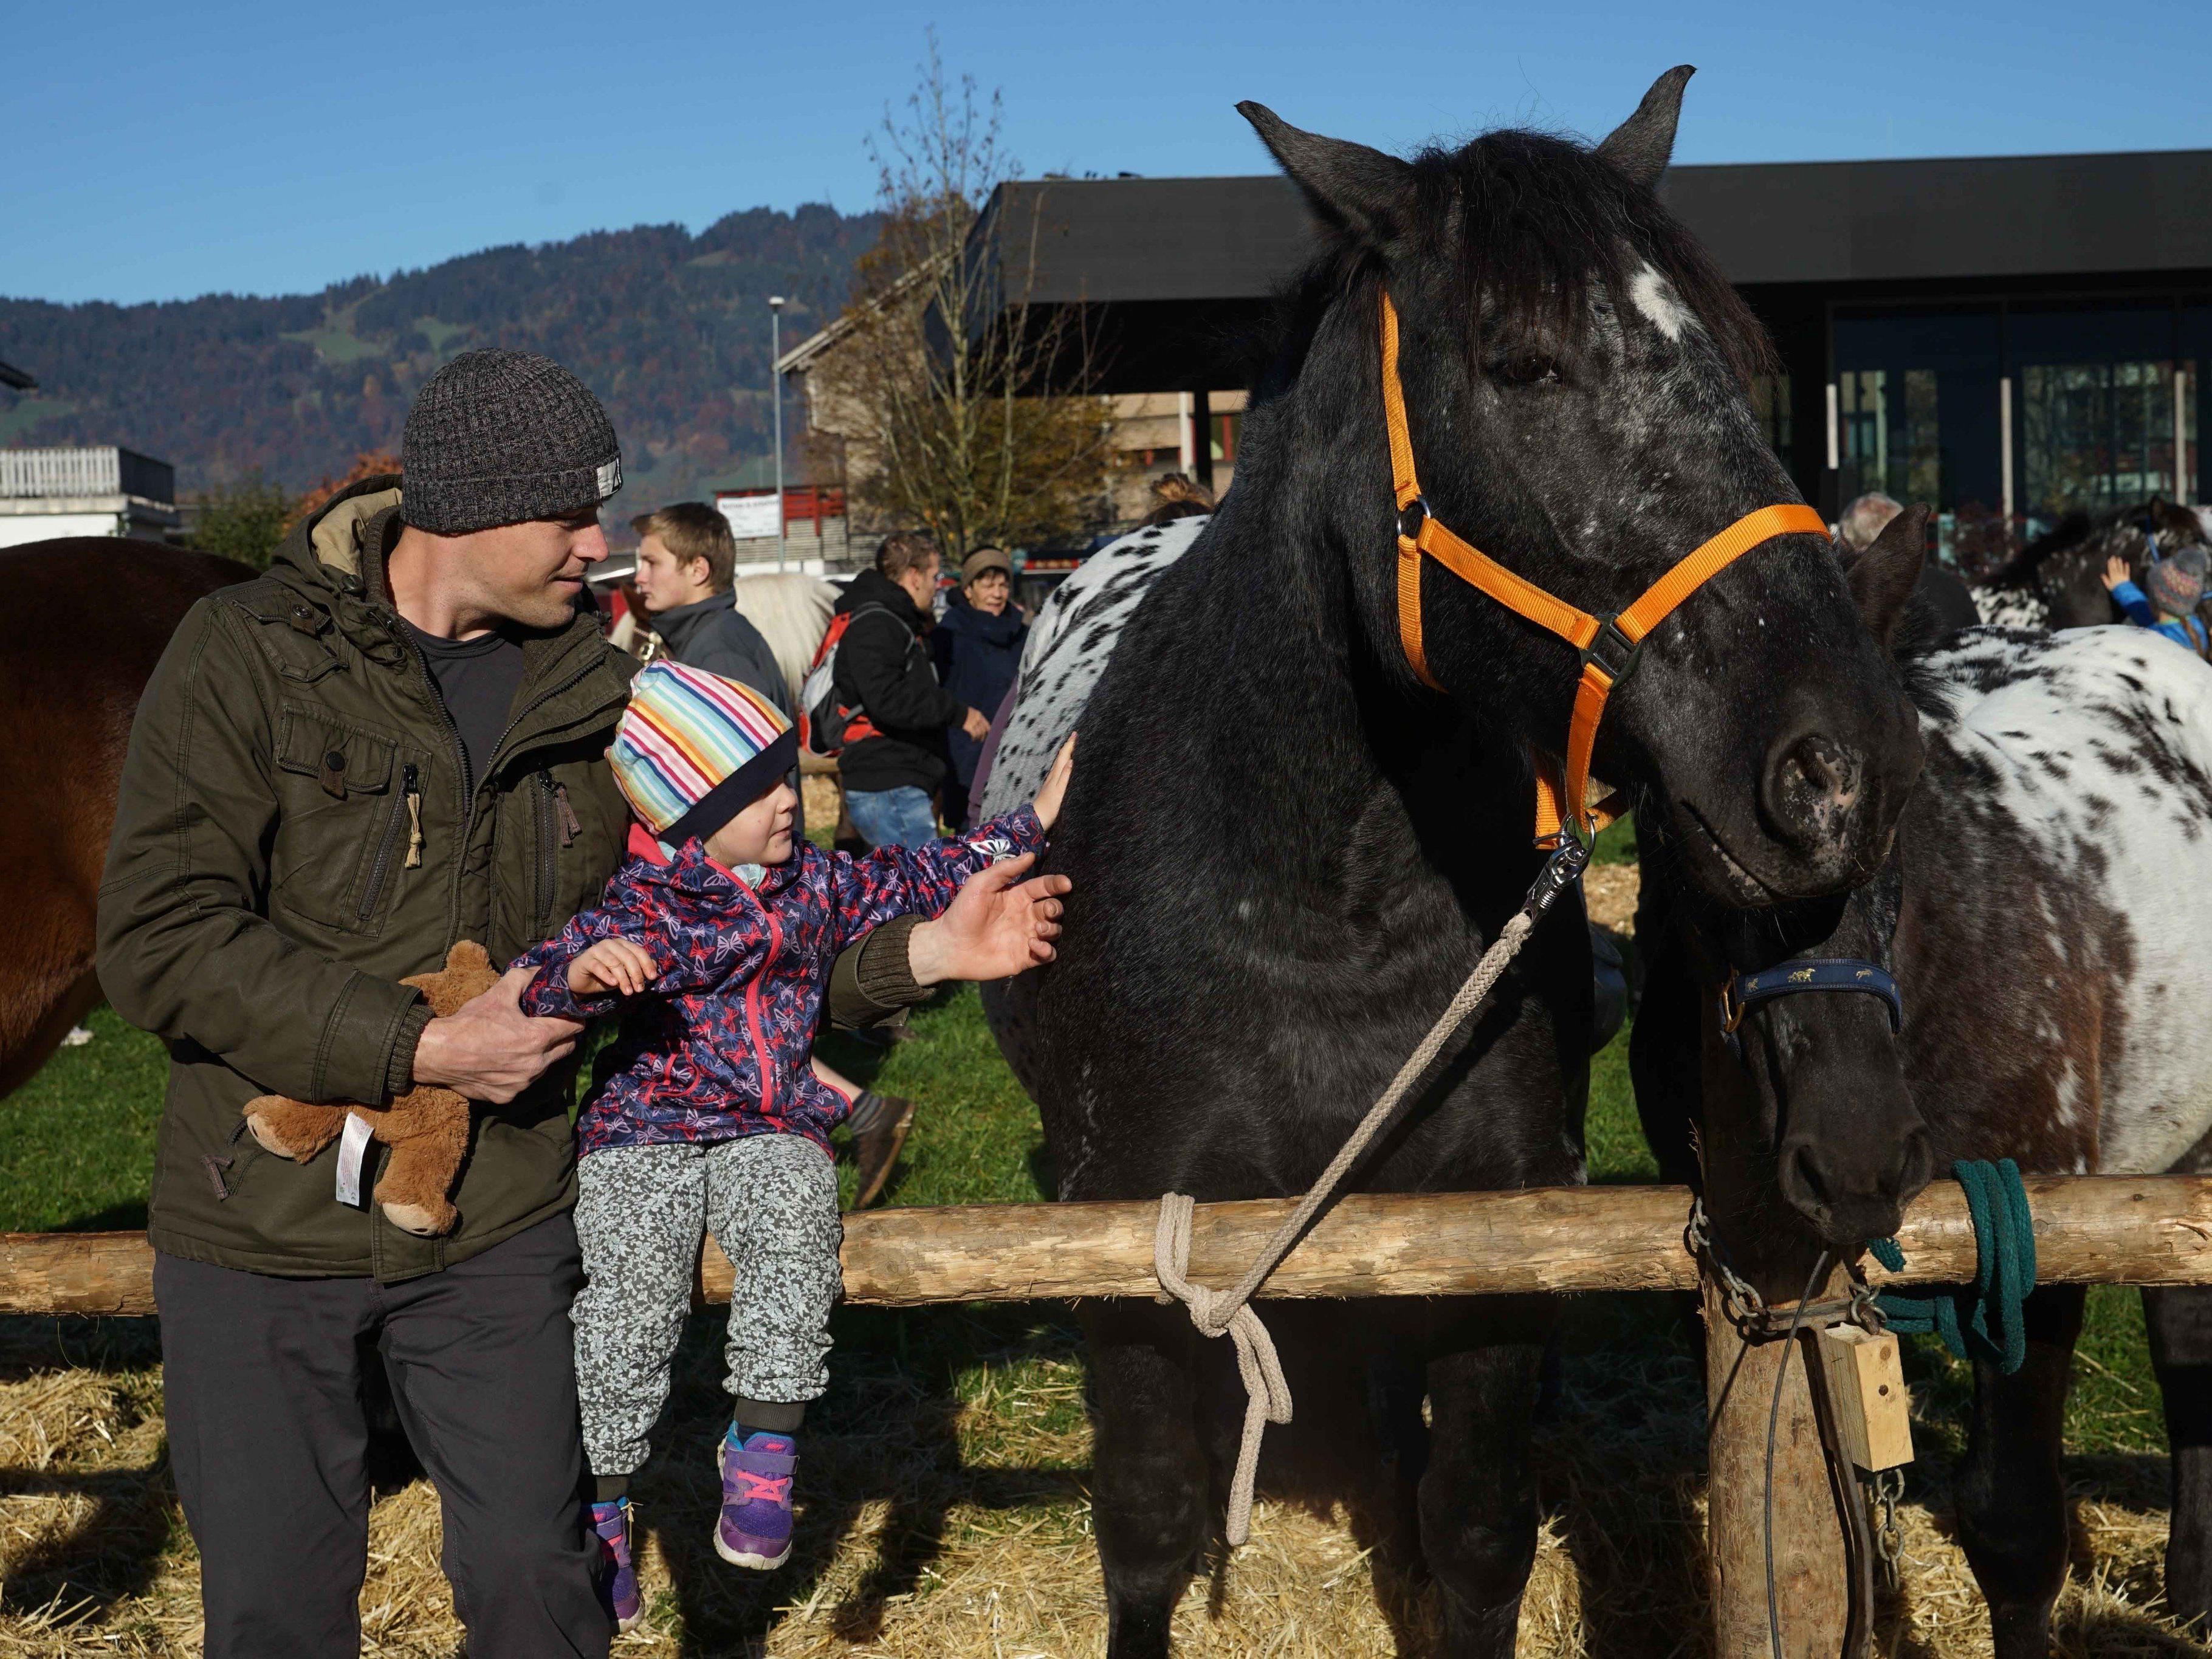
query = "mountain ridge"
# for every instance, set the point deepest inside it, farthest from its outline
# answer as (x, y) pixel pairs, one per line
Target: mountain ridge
(669, 327)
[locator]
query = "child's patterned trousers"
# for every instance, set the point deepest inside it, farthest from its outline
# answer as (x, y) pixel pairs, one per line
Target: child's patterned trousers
(771, 1203)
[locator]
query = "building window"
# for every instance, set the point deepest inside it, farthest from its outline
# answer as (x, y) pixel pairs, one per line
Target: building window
(1917, 418)
(2096, 416)
(1769, 403)
(1224, 430)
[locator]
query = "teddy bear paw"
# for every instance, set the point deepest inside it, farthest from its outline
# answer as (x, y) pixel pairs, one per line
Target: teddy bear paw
(262, 1129)
(421, 1220)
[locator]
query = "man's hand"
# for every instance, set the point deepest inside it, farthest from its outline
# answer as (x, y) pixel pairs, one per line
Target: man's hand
(488, 1049)
(1046, 803)
(976, 724)
(2116, 572)
(997, 925)
(611, 964)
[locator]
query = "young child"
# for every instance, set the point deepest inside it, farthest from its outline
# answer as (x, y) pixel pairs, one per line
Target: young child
(2176, 584)
(715, 938)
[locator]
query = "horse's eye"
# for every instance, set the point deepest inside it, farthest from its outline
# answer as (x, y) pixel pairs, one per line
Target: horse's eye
(1526, 368)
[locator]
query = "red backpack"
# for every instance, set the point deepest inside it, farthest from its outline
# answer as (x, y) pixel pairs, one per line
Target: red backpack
(826, 725)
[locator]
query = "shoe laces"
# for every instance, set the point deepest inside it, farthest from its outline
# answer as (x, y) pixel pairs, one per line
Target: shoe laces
(763, 1488)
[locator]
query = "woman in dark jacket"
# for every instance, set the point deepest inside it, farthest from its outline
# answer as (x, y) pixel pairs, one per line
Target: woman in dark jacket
(978, 645)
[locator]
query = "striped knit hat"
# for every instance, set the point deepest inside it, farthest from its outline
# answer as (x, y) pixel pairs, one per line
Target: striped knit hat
(695, 750)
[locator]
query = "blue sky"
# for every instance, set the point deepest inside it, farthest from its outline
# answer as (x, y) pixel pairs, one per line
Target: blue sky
(155, 151)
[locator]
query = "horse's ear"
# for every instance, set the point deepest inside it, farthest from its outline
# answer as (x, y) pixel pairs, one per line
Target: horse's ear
(1883, 578)
(1360, 190)
(1641, 145)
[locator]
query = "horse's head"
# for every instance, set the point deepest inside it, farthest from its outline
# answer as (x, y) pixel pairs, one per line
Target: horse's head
(1575, 373)
(1812, 1081)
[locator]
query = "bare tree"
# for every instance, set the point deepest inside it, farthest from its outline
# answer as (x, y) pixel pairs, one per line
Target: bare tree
(963, 406)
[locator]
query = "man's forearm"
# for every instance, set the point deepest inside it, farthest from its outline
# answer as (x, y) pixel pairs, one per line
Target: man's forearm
(879, 977)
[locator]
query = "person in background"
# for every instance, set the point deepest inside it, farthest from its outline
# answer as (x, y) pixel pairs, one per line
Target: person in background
(894, 758)
(977, 645)
(686, 558)
(1940, 591)
(685, 554)
(2176, 585)
(1174, 496)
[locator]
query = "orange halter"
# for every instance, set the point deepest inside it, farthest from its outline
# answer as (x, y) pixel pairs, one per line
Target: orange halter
(1608, 644)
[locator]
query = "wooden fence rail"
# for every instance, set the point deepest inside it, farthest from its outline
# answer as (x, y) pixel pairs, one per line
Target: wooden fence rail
(2124, 1229)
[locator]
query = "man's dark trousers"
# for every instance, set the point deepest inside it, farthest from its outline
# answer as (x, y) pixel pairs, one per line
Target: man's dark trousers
(268, 1439)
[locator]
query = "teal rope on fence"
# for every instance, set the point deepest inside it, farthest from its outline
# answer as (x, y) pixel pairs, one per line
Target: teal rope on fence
(1986, 1320)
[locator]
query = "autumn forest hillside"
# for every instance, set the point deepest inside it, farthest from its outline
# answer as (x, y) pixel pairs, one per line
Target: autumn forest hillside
(671, 329)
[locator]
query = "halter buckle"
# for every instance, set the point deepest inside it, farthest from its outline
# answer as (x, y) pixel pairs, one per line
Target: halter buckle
(1733, 1006)
(1611, 649)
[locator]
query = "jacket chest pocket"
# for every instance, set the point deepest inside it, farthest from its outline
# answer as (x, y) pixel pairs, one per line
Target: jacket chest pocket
(349, 803)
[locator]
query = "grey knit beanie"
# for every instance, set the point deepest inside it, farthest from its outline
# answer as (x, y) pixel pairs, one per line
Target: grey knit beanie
(2176, 582)
(498, 437)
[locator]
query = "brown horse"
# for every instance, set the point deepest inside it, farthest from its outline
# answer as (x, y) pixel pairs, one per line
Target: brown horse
(86, 619)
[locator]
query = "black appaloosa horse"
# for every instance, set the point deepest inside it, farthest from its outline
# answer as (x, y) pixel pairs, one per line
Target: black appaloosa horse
(2043, 918)
(85, 619)
(1288, 853)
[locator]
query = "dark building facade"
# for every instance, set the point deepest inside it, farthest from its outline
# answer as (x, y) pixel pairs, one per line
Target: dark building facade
(2003, 337)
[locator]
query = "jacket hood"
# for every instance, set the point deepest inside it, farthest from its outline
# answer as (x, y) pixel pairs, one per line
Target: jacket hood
(873, 587)
(339, 547)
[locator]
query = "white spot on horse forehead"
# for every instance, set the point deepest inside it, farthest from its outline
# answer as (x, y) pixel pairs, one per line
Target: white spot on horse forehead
(1656, 299)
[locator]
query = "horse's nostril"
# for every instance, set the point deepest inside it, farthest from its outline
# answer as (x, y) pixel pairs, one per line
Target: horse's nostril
(1800, 1175)
(1813, 785)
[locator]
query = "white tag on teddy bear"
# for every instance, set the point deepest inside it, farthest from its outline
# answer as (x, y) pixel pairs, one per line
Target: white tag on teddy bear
(352, 1145)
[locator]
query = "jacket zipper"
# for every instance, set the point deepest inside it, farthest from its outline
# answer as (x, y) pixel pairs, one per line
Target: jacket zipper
(402, 810)
(752, 1008)
(548, 872)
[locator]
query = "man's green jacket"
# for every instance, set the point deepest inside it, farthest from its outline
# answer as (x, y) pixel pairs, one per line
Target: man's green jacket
(291, 840)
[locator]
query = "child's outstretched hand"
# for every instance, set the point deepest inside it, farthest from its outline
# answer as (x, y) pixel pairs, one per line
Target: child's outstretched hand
(1046, 803)
(2116, 572)
(611, 964)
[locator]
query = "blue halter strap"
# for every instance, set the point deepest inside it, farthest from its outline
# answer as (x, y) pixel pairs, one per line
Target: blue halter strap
(1743, 991)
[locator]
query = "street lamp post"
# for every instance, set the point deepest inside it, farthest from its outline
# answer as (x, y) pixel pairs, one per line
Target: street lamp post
(775, 392)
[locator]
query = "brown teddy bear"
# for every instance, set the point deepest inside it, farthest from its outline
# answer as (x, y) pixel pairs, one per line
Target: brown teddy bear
(427, 1127)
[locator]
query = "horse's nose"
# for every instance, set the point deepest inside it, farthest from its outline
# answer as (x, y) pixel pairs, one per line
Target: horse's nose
(1856, 1190)
(1814, 787)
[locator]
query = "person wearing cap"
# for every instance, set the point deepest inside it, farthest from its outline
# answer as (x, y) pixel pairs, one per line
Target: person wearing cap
(715, 941)
(392, 740)
(2173, 587)
(977, 644)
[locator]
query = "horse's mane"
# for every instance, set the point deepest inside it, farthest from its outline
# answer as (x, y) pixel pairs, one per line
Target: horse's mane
(1527, 220)
(2074, 527)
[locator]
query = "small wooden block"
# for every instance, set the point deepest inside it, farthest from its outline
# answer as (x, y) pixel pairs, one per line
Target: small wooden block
(1866, 1386)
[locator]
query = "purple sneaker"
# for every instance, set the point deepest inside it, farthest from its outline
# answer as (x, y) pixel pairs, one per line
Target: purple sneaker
(618, 1577)
(753, 1529)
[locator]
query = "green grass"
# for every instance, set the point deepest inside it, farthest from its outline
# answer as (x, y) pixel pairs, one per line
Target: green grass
(29, 412)
(438, 334)
(76, 1142)
(335, 346)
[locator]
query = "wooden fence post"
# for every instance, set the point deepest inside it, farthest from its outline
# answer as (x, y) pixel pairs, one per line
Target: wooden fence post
(1812, 1586)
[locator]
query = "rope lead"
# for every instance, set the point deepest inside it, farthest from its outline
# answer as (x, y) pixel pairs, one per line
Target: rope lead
(1267, 1397)
(1987, 1321)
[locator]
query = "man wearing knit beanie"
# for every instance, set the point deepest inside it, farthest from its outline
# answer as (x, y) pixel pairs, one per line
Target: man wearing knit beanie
(392, 741)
